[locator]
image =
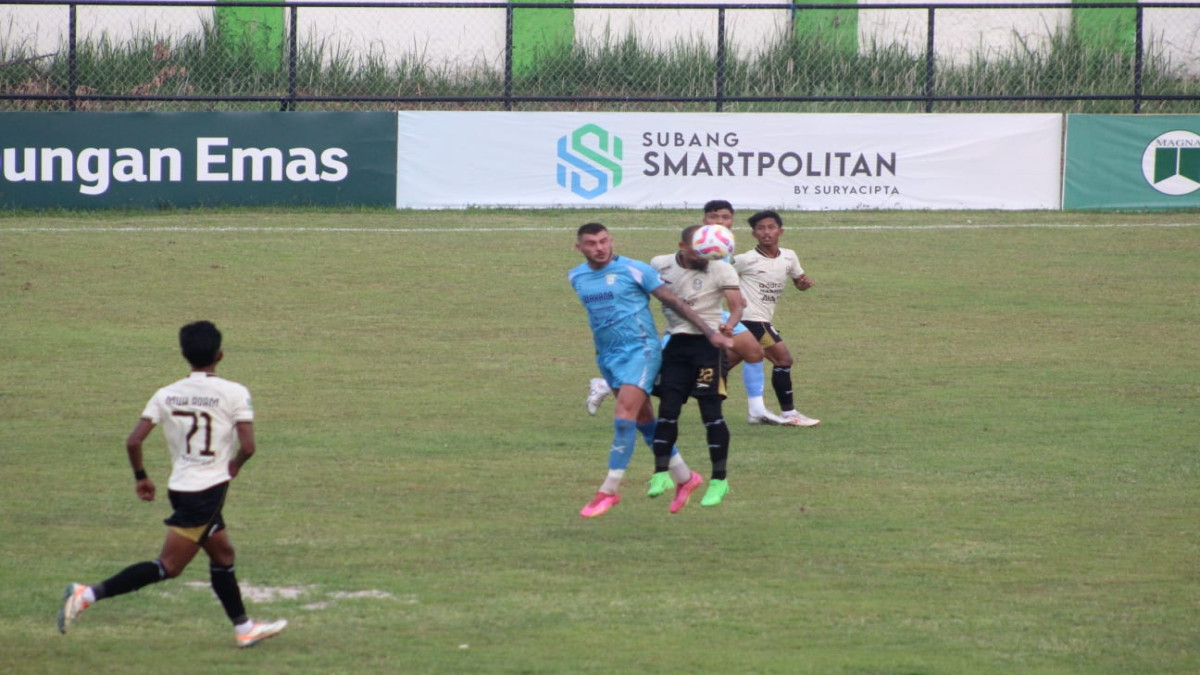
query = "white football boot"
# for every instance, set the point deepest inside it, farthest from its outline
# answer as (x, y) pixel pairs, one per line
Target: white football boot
(598, 390)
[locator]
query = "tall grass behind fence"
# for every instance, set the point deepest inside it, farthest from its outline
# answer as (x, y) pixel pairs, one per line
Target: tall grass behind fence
(203, 71)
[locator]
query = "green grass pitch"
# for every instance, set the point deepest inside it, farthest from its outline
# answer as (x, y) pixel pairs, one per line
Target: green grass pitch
(1005, 480)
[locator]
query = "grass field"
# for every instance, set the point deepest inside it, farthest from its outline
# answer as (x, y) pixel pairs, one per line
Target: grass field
(1005, 481)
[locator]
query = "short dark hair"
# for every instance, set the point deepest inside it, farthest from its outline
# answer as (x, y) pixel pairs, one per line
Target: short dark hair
(763, 215)
(717, 205)
(200, 341)
(686, 235)
(589, 228)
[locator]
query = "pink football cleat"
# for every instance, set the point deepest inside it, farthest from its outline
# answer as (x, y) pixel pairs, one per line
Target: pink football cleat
(600, 504)
(684, 490)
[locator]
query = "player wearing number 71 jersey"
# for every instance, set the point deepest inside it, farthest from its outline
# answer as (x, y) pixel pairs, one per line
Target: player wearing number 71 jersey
(206, 420)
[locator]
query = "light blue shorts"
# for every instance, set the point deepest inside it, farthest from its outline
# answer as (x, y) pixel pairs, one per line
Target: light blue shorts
(636, 364)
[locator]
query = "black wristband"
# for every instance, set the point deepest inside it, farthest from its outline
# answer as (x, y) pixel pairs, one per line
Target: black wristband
(139, 474)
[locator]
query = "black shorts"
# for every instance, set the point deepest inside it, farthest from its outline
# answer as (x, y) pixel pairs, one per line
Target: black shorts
(764, 332)
(691, 366)
(197, 515)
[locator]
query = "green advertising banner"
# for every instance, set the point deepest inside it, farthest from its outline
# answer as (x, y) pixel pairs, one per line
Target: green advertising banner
(1132, 162)
(105, 160)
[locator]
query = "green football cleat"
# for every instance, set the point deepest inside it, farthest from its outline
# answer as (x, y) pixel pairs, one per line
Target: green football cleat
(717, 489)
(660, 483)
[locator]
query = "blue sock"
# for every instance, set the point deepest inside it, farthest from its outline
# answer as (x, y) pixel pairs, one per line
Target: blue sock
(624, 442)
(647, 430)
(752, 377)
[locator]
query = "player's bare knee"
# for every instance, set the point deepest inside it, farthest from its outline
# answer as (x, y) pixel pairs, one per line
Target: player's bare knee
(171, 568)
(749, 353)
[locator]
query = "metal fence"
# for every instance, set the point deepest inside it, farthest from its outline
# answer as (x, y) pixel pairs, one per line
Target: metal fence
(701, 56)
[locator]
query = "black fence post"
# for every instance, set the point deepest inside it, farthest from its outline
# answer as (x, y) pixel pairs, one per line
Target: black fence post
(508, 55)
(1138, 60)
(72, 58)
(720, 83)
(929, 63)
(289, 104)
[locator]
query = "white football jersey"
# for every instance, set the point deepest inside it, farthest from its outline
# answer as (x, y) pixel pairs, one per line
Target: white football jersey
(703, 290)
(764, 279)
(198, 416)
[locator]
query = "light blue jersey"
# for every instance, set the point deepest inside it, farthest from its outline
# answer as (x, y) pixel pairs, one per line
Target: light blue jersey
(617, 300)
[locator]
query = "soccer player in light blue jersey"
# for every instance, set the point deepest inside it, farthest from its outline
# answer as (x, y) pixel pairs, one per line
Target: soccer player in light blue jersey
(616, 292)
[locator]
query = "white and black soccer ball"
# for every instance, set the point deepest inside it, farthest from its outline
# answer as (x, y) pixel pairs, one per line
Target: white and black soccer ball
(714, 242)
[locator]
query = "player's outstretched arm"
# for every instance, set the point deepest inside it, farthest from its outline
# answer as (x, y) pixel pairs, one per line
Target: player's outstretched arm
(667, 297)
(802, 282)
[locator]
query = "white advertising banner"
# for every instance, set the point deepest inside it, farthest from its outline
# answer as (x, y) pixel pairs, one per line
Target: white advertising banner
(681, 160)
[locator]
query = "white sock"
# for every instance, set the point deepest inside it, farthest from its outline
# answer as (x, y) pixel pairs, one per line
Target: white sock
(89, 596)
(757, 405)
(680, 473)
(613, 482)
(243, 628)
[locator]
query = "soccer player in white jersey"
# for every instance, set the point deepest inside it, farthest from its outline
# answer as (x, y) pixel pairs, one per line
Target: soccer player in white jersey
(205, 419)
(748, 351)
(765, 272)
(691, 367)
(615, 291)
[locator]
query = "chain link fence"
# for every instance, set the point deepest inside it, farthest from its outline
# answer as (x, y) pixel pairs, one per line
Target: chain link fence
(124, 55)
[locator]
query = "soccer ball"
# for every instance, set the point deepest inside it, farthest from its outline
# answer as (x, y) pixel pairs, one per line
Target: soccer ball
(714, 242)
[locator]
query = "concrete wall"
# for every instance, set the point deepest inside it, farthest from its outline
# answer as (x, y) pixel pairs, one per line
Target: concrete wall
(747, 31)
(959, 35)
(43, 29)
(456, 39)
(1176, 32)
